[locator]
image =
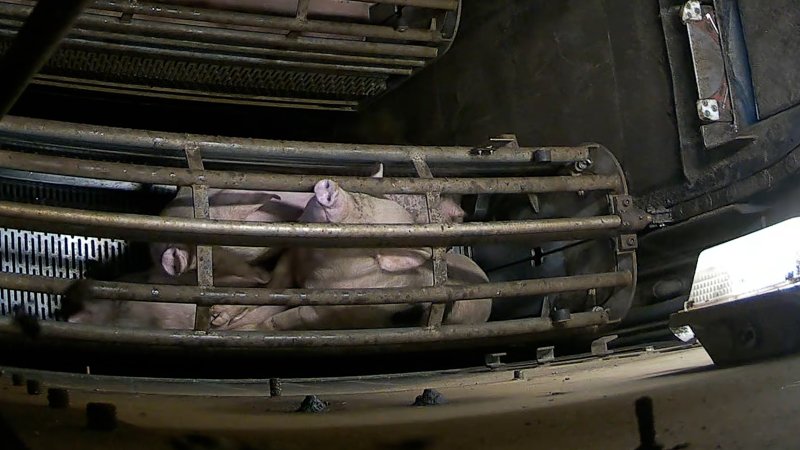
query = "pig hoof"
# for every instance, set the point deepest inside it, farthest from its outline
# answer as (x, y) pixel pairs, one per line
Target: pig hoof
(219, 319)
(326, 192)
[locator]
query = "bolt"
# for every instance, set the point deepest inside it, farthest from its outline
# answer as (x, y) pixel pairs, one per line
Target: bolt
(519, 375)
(17, 379)
(708, 110)
(101, 416)
(33, 387)
(57, 398)
(275, 387)
(626, 202)
(691, 12)
(631, 241)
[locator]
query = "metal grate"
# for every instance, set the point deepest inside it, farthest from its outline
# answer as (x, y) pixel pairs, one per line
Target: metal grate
(52, 255)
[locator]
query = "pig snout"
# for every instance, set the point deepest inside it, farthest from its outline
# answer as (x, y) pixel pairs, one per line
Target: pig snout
(326, 193)
(327, 205)
(176, 261)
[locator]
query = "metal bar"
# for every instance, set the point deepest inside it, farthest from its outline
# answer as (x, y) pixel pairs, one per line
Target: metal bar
(48, 22)
(276, 102)
(313, 297)
(97, 40)
(298, 183)
(439, 260)
(293, 24)
(449, 5)
(47, 133)
(299, 340)
(251, 234)
(138, 27)
(302, 9)
(203, 253)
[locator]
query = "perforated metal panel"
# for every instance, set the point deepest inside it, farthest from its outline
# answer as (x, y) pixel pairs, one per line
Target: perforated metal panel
(52, 255)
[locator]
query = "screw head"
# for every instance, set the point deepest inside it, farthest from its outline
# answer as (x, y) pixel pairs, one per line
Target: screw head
(691, 12)
(708, 110)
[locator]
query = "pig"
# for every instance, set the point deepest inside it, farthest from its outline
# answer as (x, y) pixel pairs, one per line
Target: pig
(229, 271)
(227, 204)
(449, 205)
(359, 268)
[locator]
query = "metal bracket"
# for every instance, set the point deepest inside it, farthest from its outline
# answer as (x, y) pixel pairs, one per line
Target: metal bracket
(493, 361)
(502, 141)
(600, 346)
(545, 354)
(633, 218)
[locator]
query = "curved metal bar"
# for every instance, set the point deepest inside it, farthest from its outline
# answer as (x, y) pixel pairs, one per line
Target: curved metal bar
(298, 183)
(312, 297)
(46, 133)
(305, 340)
(219, 232)
(450, 5)
(268, 21)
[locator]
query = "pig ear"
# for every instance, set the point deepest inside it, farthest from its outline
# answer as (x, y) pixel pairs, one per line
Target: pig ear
(175, 261)
(402, 260)
(377, 171)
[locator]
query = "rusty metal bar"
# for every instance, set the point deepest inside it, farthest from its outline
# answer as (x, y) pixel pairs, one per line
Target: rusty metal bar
(299, 340)
(292, 24)
(251, 234)
(203, 253)
(39, 133)
(44, 27)
(299, 183)
(439, 261)
(98, 39)
(449, 5)
(140, 27)
(313, 297)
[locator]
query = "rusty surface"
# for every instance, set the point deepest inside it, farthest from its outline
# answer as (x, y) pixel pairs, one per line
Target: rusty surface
(300, 183)
(369, 340)
(270, 22)
(251, 234)
(314, 297)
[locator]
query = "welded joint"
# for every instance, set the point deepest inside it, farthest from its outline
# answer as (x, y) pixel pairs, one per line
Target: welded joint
(126, 16)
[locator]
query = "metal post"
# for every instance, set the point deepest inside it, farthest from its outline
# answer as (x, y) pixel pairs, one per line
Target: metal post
(38, 38)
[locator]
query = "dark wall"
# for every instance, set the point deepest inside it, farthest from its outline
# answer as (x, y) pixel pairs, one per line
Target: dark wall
(552, 72)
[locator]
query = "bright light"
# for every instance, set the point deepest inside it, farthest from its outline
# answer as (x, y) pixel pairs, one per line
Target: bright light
(765, 261)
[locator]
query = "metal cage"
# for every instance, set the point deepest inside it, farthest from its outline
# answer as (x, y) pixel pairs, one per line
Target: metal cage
(298, 54)
(82, 155)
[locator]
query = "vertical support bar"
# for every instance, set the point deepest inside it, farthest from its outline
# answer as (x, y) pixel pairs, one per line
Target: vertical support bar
(48, 23)
(204, 254)
(432, 200)
(302, 10)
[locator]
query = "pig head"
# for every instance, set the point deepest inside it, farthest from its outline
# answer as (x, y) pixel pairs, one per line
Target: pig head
(360, 268)
(229, 271)
(226, 204)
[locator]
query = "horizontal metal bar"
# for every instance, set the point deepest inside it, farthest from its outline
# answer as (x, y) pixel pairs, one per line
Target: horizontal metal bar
(298, 340)
(298, 183)
(271, 22)
(46, 24)
(200, 96)
(77, 37)
(138, 27)
(218, 232)
(313, 297)
(450, 5)
(45, 133)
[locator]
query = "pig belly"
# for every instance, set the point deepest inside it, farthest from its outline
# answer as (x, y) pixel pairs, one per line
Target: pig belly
(142, 315)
